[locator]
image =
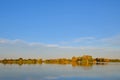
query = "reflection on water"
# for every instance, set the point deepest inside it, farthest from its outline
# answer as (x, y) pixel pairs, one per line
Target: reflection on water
(84, 65)
(72, 71)
(73, 64)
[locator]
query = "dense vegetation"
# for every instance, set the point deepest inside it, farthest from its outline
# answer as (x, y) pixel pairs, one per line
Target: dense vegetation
(83, 60)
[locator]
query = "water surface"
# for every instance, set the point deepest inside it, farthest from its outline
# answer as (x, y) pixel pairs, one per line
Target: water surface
(110, 71)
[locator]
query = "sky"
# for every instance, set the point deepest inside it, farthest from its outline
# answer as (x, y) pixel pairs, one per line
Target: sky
(59, 28)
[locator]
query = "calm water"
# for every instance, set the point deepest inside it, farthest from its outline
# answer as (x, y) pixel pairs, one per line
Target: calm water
(110, 71)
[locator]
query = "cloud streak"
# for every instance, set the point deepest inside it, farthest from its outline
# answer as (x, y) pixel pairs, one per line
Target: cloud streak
(113, 41)
(105, 47)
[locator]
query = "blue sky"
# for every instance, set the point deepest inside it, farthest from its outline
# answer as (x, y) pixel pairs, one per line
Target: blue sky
(71, 24)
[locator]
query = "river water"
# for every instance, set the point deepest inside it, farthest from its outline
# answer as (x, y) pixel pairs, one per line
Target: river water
(109, 71)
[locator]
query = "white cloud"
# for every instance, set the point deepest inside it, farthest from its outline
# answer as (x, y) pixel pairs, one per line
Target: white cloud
(106, 47)
(79, 40)
(82, 39)
(52, 45)
(68, 47)
(112, 41)
(35, 44)
(2, 41)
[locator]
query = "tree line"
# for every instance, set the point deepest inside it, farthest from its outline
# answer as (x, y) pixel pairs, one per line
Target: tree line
(85, 59)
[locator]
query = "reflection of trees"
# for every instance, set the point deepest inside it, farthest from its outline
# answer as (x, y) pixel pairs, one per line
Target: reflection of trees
(102, 63)
(84, 65)
(84, 61)
(21, 61)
